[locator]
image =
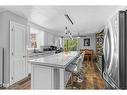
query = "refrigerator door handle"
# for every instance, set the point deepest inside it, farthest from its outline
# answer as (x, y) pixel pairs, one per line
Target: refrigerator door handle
(109, 80)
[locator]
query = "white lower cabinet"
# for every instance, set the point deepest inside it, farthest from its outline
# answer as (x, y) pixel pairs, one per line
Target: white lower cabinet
(41, 77)
(44, 77)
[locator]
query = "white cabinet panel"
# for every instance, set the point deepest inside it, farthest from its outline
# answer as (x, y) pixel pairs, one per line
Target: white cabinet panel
(41, 77)
(50, 39)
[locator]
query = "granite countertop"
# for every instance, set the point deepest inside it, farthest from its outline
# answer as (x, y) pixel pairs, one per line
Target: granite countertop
(60, 60)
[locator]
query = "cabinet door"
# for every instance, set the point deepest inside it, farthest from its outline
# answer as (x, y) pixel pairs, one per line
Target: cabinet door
(50, 39)
(41, 77)
(18, 67)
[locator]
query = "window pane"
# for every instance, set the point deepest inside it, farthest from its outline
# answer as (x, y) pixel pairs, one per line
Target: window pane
(36, 38)
(70, 44)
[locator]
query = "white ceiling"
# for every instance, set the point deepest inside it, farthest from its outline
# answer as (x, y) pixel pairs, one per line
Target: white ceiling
(87, 19)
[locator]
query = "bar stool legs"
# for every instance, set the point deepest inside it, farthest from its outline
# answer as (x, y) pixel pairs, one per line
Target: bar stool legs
(76, 80)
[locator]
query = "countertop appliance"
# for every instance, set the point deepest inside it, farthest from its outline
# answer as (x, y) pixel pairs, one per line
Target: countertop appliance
(59, 49)
(115, 51)
(48, 48)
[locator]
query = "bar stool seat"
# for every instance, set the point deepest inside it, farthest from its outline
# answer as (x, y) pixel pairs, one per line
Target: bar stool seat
(71, 68)
(75, 69)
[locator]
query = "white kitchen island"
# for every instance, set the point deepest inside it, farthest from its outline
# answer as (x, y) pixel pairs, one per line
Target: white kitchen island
(49, 72)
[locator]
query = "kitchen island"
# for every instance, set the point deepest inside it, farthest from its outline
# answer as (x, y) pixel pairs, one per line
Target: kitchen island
(49, 72)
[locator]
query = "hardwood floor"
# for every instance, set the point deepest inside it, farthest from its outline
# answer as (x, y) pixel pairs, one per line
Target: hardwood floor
(92, 78)
(23, 84)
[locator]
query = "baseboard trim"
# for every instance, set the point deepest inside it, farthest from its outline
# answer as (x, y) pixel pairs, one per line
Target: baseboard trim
(0, 85)
(6, 85)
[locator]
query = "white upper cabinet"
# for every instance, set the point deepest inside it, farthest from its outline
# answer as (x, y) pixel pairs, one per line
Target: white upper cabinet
(50, 39)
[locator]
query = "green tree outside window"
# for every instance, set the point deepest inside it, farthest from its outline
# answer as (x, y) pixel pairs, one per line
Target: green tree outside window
(70, 44)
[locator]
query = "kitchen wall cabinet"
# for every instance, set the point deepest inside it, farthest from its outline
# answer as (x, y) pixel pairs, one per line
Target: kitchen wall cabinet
(51, 39)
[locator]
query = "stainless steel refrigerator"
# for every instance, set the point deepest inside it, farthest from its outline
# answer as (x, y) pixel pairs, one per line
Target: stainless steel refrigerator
(123, 49)
(115, 51)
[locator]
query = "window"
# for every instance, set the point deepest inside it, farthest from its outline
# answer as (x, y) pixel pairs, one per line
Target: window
(70, 44)
(36, 38)
(33, 41)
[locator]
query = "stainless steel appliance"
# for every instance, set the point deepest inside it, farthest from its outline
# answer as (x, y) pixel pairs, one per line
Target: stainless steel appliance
(111, 53)
(115, 50)
(123, 49)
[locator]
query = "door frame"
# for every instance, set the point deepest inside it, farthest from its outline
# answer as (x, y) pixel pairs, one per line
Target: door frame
(12, 24)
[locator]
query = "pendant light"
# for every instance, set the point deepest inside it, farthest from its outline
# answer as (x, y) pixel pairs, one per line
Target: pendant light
(67, 30)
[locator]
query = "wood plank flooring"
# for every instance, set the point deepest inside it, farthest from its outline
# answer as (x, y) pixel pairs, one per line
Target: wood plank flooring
(23, 84)
(92, 78)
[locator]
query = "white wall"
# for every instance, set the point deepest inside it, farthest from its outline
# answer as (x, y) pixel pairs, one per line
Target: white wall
(5, 18)
(40, 39)
(92, 42)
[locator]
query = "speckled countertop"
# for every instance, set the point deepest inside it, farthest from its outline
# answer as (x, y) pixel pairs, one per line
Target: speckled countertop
(60, 60)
